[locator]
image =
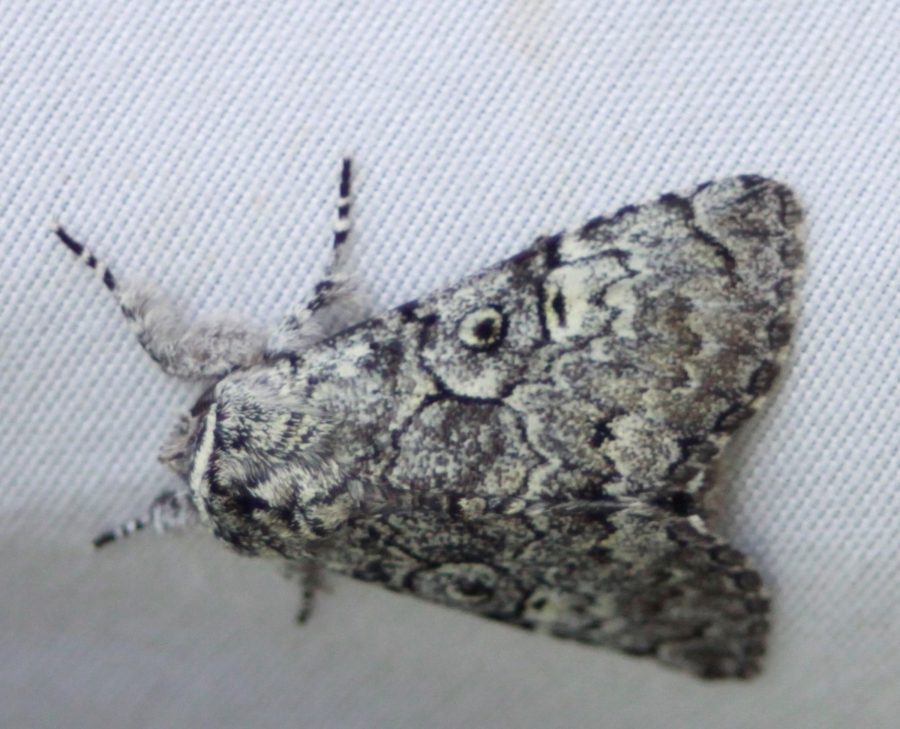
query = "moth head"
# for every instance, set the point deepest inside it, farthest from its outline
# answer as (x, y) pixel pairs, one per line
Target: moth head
(258, 454)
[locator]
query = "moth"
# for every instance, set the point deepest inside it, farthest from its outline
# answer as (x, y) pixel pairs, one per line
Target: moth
(536, 444)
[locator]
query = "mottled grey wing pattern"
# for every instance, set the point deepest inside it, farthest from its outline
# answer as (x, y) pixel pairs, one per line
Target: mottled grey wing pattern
(537, 444)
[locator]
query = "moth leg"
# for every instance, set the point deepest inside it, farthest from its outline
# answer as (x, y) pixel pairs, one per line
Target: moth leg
(184, 350)
(309, 575)
(171, 510)
(306, 323)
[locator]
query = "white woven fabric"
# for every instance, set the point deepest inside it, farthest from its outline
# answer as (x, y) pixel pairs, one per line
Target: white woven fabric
(197, 145)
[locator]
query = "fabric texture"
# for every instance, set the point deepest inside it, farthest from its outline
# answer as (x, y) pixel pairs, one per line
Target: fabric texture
(197, 146)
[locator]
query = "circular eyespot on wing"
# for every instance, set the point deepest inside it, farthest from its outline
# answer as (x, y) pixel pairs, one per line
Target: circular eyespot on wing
(483, 329)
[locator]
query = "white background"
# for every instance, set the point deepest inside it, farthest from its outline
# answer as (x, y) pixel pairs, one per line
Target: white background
(196, 145)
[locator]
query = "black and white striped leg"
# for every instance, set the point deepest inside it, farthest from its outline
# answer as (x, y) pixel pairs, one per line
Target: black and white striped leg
(309, 575)
(304, 324)
(171, 510)
(188, 351)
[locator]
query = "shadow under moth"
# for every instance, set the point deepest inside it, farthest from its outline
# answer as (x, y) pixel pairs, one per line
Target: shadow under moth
(536, 444)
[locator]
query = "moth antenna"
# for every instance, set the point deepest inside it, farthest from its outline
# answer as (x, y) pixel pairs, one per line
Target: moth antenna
(89, 259)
